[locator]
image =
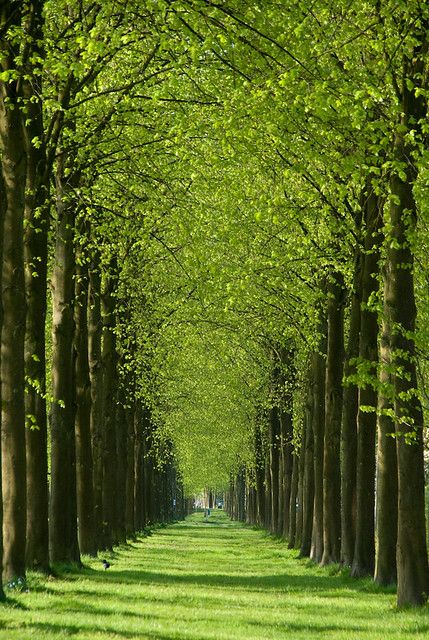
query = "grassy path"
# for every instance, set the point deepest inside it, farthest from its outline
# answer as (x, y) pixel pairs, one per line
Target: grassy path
(198, 581)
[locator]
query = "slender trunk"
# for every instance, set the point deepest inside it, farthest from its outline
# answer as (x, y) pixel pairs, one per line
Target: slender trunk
(292, 504)
(387, 477)
(308, 481)
(286, 424)
(63, 509)
(318, 368)
(2, 214)
(84, 464)
(121, 456)
(274, 431)
(130, 525)
(96, 386)
(349, 422)
(37, 223)
(259, 473)
(110, 512)
(364, 552)
(13, 161)
(300, 491)
(333, 406)
(139, 516)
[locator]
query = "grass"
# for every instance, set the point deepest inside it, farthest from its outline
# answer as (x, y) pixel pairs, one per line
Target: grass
(206, 581)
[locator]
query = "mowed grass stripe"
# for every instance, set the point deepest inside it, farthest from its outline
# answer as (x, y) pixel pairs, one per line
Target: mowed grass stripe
(200, 580)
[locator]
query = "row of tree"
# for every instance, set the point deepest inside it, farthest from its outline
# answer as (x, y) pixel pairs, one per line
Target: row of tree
(229, 201)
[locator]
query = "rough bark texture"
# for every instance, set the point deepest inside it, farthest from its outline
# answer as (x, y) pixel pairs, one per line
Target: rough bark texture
(318, 368)
(2, 214)
(37, 222)
(63, 510)
(308, 481)
(412, 558)
(387, 478)
(274, 433)
(96, 379)
(131, 445)
(110, 512)
(13, 161)
(333, 406)
(349, 422)
(364, 552)
(292, 504)
(259, 471)
(84, 463)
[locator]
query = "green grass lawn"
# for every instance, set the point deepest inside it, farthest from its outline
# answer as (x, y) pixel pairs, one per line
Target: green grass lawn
(197, 580)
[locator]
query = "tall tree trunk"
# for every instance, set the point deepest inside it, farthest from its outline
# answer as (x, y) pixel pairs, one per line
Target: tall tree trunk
(333, 407)
(130, 525)
(37, 223)
(318, 369)
(274, 432)
(110, 511)
(121, 456)
(387, 477)
(2, 214)
(286, 425)
(292, 503)
(412, 557)
(308, 480)
(95, 326)
(349, 421)
(364, 553)
(63, 509)
(13, 161)
(259, 474)
(84, 463)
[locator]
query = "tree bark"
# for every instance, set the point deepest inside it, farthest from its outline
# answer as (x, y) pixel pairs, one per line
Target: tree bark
(387, 478)
(349, 421)
(96, 385)
(13, 161)
(110, 511)
(318, 369)
(274, 432)
(84, 463)
(2, 214)
(333, 407)
(364, 552)
(292, 504)
(63, 509)
(308, 480)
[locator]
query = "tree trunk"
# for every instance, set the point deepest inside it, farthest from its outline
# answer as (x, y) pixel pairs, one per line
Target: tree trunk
(318, 373)
(96, 385)
(349, 422)
(13, 161)
(121, 456)
(84, 464)
(387, 477)
(2, 214)
(274, 432)
(292, 504)
(411, 550)
(412, 559)
(259, 474)
(333, 407)
(364, 552)
(131, 447)
(63, 509)
(110, 512)
(308, 481)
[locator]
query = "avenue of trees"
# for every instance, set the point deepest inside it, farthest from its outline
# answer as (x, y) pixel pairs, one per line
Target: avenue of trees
(215, 223)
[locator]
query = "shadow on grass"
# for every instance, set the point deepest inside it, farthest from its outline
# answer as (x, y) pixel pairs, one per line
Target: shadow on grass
(278, 582)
